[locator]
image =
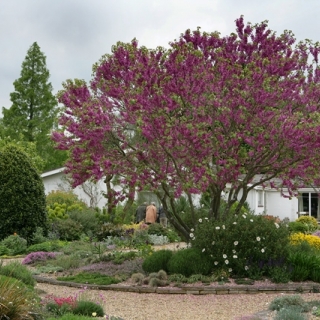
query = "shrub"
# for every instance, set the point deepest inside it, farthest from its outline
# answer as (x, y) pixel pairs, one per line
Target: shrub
(190, 261)
(243, 243)
(22, 196)
(18, 271)
(288, 300)
(68, 230)
(299, 237)
(158, 260)
(310, 222)
(296, 226)
(15, 244)
(4, 251)
(87, 308)
(18, 302)
(87, 219)
(38, 236)
(38, 256)
(44, 246)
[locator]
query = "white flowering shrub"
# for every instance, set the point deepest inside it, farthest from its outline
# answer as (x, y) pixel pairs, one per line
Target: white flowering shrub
(244, 244)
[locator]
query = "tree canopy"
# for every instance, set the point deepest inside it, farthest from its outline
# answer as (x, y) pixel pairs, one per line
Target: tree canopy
(34, 107)
(210, 111)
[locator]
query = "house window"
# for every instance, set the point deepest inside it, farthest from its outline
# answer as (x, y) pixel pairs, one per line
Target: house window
(309, 202)
(260, 198)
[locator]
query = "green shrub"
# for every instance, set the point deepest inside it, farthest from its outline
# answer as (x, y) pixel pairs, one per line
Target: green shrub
(44, 246)
(22, 196)
(189, 261)
(15, 244)
(310, 222)
(68, 230)
(295, 226)
(18, 271)
(4, 251)
(289, 300)
(158, 260)
(87, 308)
(87, 218)
(38, 236)
(15, 299)
(244, 243)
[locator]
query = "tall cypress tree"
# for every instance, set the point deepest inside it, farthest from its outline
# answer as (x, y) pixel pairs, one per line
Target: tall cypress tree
(34, 107)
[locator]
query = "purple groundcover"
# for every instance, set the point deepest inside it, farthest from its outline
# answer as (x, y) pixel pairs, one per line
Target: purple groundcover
(38, 256)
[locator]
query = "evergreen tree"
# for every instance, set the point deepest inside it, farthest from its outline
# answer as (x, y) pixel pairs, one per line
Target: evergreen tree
(22, 196)
(34, 107)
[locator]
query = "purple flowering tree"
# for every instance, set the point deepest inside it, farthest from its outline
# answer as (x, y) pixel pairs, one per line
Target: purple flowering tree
(207, 112)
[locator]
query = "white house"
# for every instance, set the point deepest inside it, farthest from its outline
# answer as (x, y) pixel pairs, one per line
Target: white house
(261, 200)
(88, 192)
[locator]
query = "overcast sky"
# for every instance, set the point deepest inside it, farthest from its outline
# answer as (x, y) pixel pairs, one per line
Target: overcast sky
(74, 34)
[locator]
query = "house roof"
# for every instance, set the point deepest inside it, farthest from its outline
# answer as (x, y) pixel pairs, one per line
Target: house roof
(52, 172)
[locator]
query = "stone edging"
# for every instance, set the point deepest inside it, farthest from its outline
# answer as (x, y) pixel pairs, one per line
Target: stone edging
(195, 290)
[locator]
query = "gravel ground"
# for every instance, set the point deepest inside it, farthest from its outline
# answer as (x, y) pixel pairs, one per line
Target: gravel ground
(135, 306)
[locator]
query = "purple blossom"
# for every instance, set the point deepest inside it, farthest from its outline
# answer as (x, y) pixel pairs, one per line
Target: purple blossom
(38, 256)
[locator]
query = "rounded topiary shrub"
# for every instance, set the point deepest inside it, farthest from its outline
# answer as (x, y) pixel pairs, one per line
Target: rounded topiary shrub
(157, 261)
(190, 261)
(22, 196)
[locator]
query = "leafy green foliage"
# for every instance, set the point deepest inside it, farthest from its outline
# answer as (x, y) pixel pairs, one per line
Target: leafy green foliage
(68, 230)
(33, 113)
(22, 197)
(310, 222)
(190, 261)
(290, 313)
(87, 308)
(18, 271)
(15, 244)
(296, 226)
(92, 278)
(245, 243)
(157, 261)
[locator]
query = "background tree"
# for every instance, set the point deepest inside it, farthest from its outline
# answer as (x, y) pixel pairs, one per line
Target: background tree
(209, 112)
(34, 108)
(22, 196)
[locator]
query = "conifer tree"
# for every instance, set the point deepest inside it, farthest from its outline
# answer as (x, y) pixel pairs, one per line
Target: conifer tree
(34, 107)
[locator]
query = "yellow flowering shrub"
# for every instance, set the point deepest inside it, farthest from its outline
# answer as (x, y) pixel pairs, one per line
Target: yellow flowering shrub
(311, 222)
(298, 237)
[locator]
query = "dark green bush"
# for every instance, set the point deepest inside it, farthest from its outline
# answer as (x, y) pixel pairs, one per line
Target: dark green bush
(190, 261)
(157, 261)
(18, 271)
(22, 196)
(86, 308)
